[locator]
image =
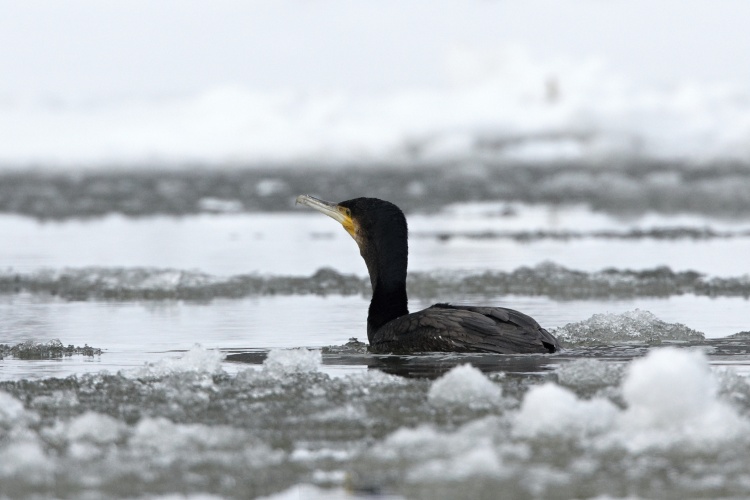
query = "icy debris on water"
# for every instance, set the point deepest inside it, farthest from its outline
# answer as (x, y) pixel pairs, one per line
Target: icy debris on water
(679, 430)
(32, 349)
(160, 284)
(353, 346)
(633, 326)
(674, 437)
(545, 279)
(623, 187)
(657, 233)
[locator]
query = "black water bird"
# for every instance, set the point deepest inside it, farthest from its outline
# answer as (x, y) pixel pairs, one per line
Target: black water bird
(379, 228)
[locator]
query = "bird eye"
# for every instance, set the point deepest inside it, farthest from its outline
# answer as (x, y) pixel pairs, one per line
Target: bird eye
(346, 212)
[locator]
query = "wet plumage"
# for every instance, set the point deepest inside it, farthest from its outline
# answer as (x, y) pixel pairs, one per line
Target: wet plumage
(380, 230)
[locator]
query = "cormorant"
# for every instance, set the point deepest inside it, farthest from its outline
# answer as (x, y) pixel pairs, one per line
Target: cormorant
(379, 228)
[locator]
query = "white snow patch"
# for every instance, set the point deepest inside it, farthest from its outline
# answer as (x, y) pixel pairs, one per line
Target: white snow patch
(465, 385)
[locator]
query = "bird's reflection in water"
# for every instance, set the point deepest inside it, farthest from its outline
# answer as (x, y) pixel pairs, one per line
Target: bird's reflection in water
(428, 365)
(433, 365)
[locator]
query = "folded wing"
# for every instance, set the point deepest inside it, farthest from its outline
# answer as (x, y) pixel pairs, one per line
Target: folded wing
(445, 327)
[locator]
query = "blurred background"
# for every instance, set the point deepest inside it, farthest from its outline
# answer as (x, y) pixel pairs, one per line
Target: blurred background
(139, 83)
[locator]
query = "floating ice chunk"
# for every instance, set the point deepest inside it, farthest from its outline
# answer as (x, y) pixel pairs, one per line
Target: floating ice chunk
(180, 496)
(95, 428)
(734, 387)
(631, 326)
(56, 400)
(285, 361)
(197, 360)
(465, 385)
(269, 187)
(26, 459)
(480, 460)
(310, 492)
(672, 398)
(161, 443)
(590, 374)
(11, 410)
(551, 410)
(470, 451)
(218, 205)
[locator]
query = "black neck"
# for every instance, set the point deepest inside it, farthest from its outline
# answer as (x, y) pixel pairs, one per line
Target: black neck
(387, 260)
(388, 303)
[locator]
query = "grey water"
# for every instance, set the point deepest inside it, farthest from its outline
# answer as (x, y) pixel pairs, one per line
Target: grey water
(226, 367)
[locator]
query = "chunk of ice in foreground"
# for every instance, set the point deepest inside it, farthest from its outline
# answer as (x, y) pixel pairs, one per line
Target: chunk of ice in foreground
(551, 410)
(672, 398)
(471, 451)
(465, 385)
(11, 410)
